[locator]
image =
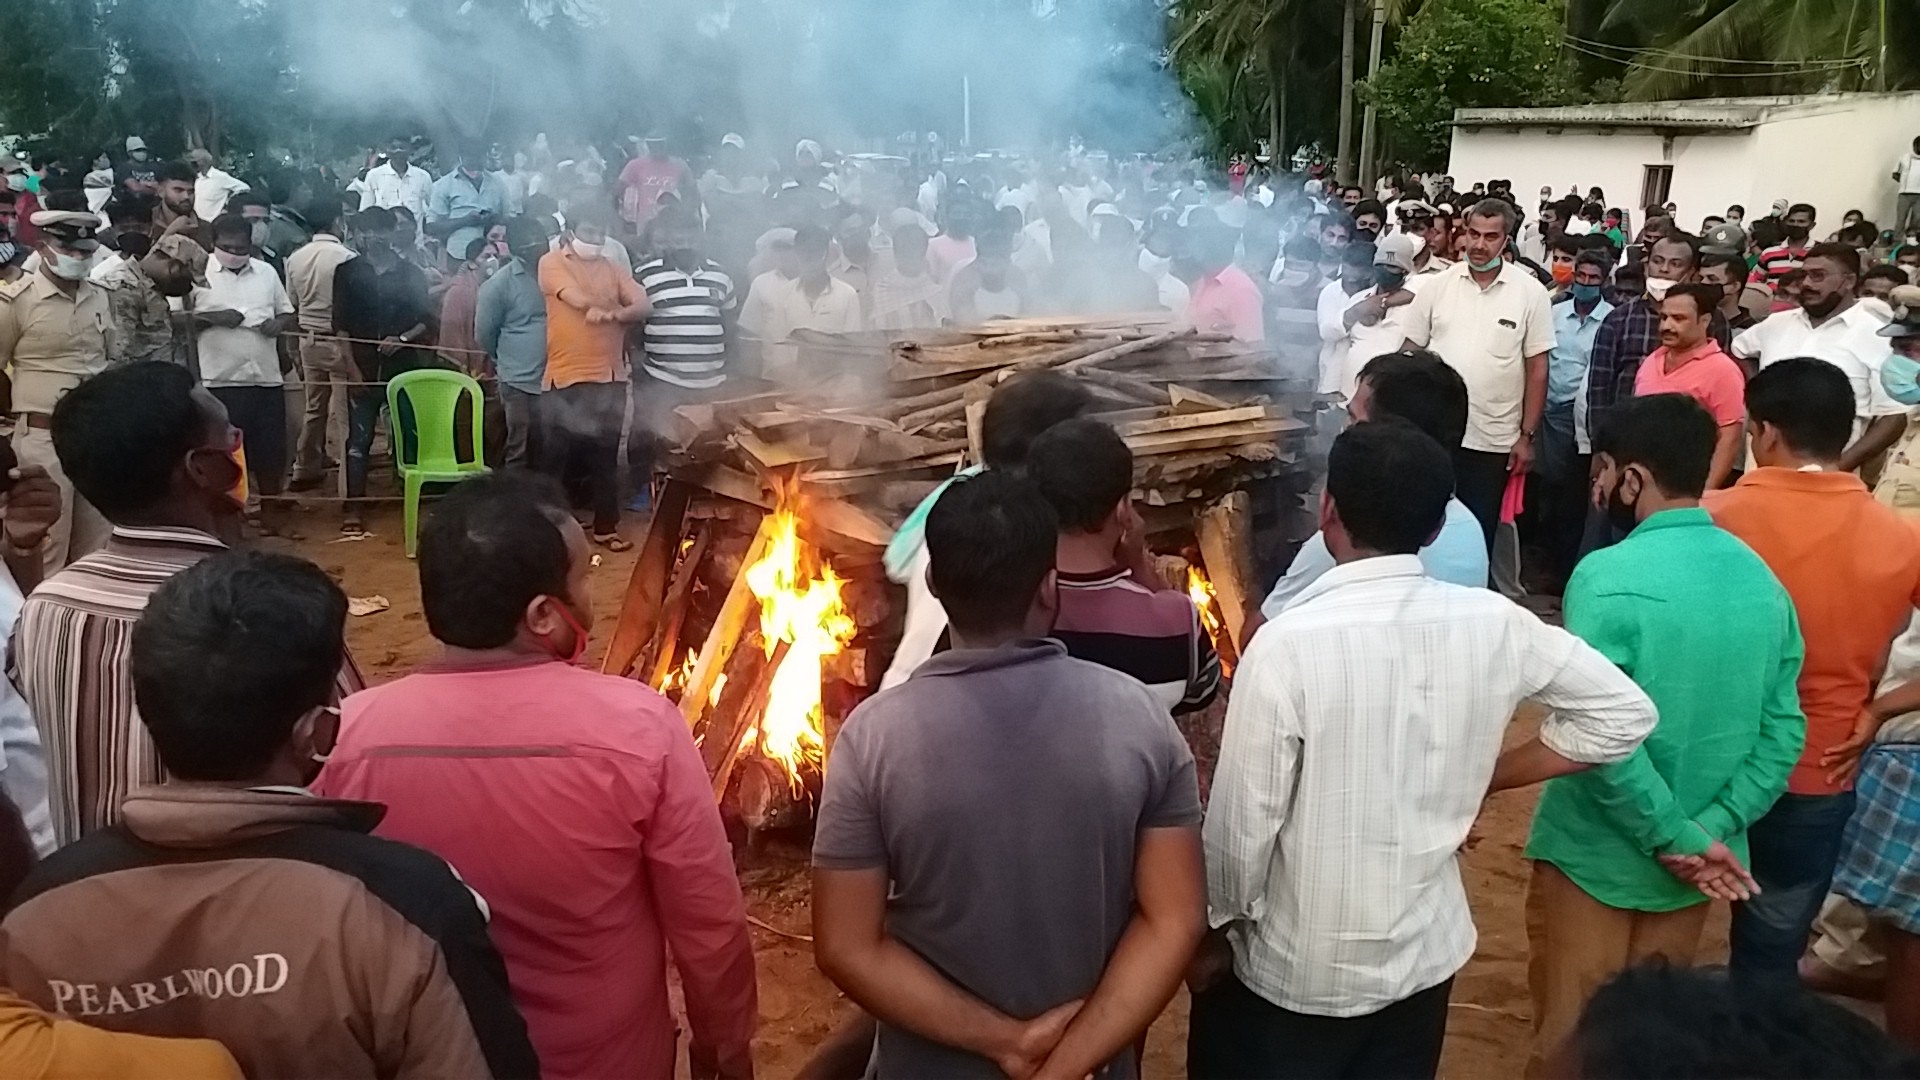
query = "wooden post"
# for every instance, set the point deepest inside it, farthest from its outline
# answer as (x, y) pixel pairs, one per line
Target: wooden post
(1224, 531)
(747, 713)
(658, 659)
(640, 611)
(728, 626)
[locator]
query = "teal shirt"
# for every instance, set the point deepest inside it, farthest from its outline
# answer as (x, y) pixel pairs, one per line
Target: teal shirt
(1697, 619)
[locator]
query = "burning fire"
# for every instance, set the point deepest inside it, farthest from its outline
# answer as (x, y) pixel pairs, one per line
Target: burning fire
(1200, 591)
(799, 603)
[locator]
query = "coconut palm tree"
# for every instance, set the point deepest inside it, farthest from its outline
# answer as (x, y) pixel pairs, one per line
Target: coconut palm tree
(1727, 47)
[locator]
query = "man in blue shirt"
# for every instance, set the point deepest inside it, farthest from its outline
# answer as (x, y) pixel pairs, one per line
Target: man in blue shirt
(510, 323)
(1419, 387)
(464, 203)
(1559, 486)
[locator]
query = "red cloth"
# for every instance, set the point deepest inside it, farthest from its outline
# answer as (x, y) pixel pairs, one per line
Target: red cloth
(577, 805)
(1704, 374)
(1228, 302)
(642, 183)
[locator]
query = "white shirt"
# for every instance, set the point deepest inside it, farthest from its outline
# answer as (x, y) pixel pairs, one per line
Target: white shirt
(776, 306)
(1360, 740)
(1335, 342)
(212, 189)
(386, 188)
(1486, 335)
(1849, 341)
(241, 356)
(1908, 169)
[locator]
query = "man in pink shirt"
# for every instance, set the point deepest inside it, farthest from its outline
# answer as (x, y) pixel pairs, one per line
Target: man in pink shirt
(646, 178)
(1224, 299)
(574, 802)
(1689, 361)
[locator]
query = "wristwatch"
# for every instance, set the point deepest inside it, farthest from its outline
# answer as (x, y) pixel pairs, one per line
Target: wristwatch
(1528, 433)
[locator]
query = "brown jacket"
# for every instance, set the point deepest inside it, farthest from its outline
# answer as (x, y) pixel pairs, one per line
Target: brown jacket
(271, 921)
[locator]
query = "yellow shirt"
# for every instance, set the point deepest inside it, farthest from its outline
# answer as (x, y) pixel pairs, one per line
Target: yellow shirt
(41, 1046)
(52, 340)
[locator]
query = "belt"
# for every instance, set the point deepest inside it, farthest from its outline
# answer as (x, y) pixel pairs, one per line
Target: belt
(37, 420)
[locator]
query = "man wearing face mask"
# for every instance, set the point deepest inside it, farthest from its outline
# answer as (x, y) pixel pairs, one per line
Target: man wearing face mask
(1337, 298)
(1899, 485)
(1369, 220)
(1494, 323)
(156, 455)
(684, 340)
(56, 328)
(1566, 440)
(1631, 333)
(1725, 269)
(232, 871)
(575, 802)
(1374, 321)
(396, 183)
(379, 303)
(1776, 261)
(139, 288)
(510, 323)
(1830, 325)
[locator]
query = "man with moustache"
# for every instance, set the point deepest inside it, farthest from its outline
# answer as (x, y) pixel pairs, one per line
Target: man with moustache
(1631, 333)
(138, 288)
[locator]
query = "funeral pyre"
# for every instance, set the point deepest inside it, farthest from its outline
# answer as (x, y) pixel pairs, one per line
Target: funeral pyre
(759, 602)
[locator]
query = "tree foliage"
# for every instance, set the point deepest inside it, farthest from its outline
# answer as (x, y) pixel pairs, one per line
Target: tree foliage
(1462, 54)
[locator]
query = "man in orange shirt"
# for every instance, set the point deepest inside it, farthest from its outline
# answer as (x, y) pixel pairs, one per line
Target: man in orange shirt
(1852, 567)
(591, 300)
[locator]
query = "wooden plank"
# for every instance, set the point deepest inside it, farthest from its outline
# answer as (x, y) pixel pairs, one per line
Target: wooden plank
(1211, 437)
(774, 455)
(728, 627)
(1186, 421)
(1125, 348)
(1225, 533)
(647, 585)
(746, 716)
(846, 519)
(665, 643)
(1187, 399)
(977, 431)
(827, 476)
(722, 480)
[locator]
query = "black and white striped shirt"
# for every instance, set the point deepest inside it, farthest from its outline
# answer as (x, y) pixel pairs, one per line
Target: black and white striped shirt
(685, 336)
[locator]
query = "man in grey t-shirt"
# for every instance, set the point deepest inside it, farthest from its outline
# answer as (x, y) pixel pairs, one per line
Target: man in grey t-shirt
(1007, 864)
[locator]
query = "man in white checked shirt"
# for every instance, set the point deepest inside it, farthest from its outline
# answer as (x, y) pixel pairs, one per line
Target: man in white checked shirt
(1362, 736)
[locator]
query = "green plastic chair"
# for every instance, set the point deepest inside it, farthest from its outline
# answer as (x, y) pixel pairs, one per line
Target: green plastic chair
(434, 395)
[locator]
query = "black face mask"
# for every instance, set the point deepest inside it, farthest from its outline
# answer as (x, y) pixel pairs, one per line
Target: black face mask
(1387, 279)
(132, 244)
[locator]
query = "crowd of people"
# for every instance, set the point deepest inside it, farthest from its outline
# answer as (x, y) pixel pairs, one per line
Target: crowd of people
(227, 855)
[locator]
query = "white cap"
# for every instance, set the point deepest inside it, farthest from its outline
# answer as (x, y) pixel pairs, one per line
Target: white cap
(135, 142)
(733, 139)
(809, 148)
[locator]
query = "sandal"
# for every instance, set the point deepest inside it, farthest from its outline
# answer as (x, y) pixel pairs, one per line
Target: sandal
(613, 542)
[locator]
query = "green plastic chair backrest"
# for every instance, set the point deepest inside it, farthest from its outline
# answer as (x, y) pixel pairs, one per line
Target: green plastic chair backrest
(435, 395)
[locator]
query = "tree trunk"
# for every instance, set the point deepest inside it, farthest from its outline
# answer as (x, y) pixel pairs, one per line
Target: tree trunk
(1343, 162)
(1369, 126)
(1276, 108)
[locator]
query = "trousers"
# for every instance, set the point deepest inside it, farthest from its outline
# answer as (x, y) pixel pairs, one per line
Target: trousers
(1235, 1034)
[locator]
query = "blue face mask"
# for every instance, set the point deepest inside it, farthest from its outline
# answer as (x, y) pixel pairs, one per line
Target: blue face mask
(1585, 294)
(1900, 378)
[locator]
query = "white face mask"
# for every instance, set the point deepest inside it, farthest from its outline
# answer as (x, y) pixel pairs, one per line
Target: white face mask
(16, 181)
(231, 260)
(68, 267)
(1657, 287)
(585, 250)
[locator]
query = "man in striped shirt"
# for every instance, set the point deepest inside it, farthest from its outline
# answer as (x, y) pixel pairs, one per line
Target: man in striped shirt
(685, 337)
(1116, 608)
(1779, 260)
(155, 454)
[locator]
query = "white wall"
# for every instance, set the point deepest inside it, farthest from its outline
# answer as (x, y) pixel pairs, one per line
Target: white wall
(1836, 160)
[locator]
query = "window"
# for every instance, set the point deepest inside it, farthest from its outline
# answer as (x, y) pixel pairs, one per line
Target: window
(1656, 186)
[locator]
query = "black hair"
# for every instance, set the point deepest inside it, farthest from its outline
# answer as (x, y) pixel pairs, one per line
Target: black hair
(1767, 232)
(1686, 240)
(1735, 265)
(1860, 234)
(232, 224)
(1302, 248)
(1359, 253)
(71, 199)
(1655, 1020)
(1705, 297)
(1801, 208)
(1508, 214)
(1565, 245)
(1669, 435)
(475, 248)
(1846, 256)
(1810, 402)
(991, 540)
(1885, 271)
(1422, 389)
(811, 238)
(491, 546)
(1599, 260)
(121, 434)
(1332, 219)
(229, 654)
(323, 212)
(1370, 206)
(178, 172)
(374, 219)
(1023, 407)
(1083, 468)
(1736, 208)
(1390, 483)
(130, 207)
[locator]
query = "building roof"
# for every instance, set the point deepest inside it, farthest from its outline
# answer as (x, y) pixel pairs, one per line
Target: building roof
(1701, 114)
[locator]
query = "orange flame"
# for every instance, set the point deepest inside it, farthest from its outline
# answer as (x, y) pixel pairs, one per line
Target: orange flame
(1200, 591)
(799, 603)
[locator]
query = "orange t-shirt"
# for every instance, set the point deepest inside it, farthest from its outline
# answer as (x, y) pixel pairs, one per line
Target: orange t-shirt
(579, 351)
(1852, 567)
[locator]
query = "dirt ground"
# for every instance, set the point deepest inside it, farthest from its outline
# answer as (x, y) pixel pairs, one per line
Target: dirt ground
(1487, 1035)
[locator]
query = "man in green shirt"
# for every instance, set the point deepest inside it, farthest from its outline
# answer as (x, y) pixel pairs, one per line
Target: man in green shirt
(1627, 856)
